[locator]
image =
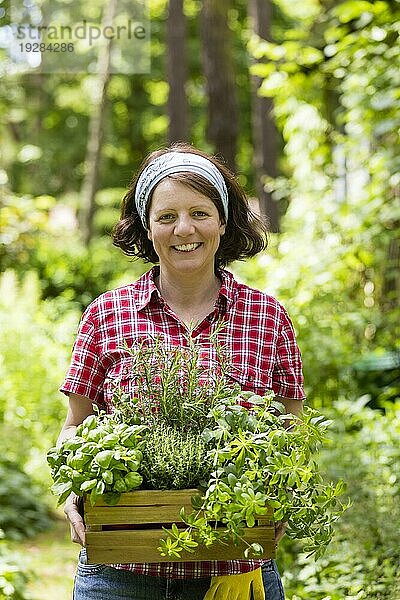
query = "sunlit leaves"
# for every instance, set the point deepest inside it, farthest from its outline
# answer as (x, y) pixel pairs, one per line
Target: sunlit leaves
(340, 123)
(260, 466)
(102, 458)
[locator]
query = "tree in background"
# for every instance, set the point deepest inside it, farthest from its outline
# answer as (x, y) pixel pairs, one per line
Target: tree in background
(219, 71)
(178, 128)
(90, 182)
(264, 130)
(341, 236)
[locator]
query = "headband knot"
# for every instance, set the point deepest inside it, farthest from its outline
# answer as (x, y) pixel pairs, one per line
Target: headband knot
(177, 162)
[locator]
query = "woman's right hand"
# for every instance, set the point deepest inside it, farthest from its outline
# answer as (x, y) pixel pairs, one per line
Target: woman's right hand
(71, 509)
(79, 408)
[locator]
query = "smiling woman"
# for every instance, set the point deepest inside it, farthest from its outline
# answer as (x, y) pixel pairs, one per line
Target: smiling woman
(185, 211)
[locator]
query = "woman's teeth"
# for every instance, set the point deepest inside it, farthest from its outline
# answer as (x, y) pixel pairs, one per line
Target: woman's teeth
(187, 247)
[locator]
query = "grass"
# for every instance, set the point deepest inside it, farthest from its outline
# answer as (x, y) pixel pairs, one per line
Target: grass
(51, 560)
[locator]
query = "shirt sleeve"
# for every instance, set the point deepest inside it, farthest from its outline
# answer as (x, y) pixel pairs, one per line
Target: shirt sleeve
(287, 378)
(85, 375)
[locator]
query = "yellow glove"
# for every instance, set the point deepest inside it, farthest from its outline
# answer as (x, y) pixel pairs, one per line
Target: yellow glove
(237, 587)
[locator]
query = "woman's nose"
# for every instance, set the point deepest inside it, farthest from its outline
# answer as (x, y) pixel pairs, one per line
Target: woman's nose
(184, 225)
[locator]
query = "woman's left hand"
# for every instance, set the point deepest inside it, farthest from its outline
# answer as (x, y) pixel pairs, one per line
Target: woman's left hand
(280, 527)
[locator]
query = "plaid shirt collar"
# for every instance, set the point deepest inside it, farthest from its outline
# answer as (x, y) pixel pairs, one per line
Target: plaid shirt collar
(145, 288)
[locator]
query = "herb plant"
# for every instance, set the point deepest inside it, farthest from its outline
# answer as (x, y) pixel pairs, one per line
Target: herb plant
(259, 462)
(172, 386)
(102, 459)
(173, 459)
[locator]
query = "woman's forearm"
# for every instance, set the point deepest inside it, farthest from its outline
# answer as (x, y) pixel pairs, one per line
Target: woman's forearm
(79, 408)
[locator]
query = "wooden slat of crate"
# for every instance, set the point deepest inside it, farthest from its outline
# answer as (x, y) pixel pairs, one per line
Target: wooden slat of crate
(144, 508)
(141, 546)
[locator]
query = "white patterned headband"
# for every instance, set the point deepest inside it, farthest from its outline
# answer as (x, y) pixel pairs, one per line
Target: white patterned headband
(177, 162)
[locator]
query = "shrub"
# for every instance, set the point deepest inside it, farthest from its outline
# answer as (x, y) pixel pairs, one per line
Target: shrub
(34, 347)
(42, 233)
(36, 339)
(22, 512)
(363, 561)
(12, 578)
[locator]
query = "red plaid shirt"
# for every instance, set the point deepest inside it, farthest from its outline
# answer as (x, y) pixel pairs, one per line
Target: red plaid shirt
(258, 335)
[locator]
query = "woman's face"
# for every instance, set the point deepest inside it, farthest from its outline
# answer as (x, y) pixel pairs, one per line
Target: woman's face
(185, 228)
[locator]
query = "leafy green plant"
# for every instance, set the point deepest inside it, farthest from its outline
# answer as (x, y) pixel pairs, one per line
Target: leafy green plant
(363, 560)
(173, 387)
(102, 458)
(259, 462)
(334, 86)
(36, 336)
(173, 459)
(13, 578)
(67, 269)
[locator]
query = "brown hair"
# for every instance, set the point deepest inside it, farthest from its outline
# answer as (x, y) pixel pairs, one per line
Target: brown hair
(245, 233)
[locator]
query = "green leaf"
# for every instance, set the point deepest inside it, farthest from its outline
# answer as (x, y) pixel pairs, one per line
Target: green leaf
(352, 9)
(133, 480)
(86, 486)
(59, 489)
(104, 458)
(90, 422)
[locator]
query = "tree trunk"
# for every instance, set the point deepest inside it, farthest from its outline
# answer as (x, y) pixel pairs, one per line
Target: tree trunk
(223, 125)
(391, 277)
(176, 72)
(96, 131)
(264, 130)
(136, 103)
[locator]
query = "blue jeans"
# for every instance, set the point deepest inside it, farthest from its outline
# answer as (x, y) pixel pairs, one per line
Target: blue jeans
(101, 582)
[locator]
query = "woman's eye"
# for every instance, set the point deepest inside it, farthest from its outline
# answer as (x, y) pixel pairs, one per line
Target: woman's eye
(200, 213)
(167, 217)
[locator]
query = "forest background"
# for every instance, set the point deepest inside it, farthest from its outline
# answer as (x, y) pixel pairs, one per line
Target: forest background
(300, 98)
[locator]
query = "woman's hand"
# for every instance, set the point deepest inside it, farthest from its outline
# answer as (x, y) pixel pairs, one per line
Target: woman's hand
(79, 408)
(71, 509)
(280, 527)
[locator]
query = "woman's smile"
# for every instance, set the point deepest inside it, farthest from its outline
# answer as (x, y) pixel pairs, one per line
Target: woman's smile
(187, 247)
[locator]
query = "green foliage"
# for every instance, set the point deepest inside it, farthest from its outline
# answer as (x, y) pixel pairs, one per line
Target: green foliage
(184, 427)
(42, 234)
(13, 579)
(363, 560)
(173, 380)
(34, 347)
(102, 458)
(22, 511)
(173, 459)
(258, 462)
(334, 79)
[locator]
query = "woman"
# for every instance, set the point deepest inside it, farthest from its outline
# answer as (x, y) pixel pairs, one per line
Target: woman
(188, 213)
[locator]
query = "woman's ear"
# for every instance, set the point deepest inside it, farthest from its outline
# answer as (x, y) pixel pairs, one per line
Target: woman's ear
(222, 228)
(149, 235)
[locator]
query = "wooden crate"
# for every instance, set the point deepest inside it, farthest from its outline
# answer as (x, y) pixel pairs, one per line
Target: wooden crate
(131, 530)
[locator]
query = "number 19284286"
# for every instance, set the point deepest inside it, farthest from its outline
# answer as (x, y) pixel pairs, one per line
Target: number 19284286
(42, 47)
